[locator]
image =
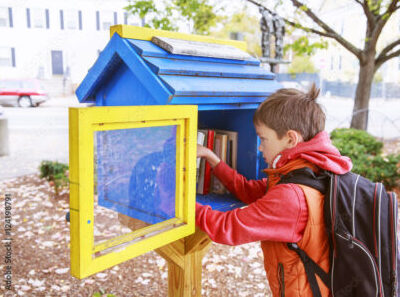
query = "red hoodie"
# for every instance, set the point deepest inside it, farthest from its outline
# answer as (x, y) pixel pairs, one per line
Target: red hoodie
(279, 214)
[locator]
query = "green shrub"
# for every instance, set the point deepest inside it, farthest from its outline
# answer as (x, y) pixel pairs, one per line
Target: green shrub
(350, 141)
(366, 153)
(55, 173)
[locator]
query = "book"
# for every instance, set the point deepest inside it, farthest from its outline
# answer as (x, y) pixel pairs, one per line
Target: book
(231, 147)
(207, 168)
(200, 182)
(220, 149)
(200, 140)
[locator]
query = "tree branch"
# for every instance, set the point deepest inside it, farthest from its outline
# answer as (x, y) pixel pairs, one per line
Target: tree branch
(378, 63)
(389, 47)
(307, 29)
(391, 8)
(382, 20)
(367, 12)
(332, 33)
(293, 24)
(382, 58)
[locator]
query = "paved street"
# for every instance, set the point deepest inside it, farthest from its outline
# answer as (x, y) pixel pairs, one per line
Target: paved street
(38, 134)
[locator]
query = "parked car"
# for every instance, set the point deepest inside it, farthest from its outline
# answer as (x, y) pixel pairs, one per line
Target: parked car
(22, 92)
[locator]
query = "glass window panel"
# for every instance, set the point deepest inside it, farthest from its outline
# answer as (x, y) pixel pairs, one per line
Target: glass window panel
(4, 22)
(38, 17)
(71, 18)
(135, 171)
(107, 19)
(5, 56)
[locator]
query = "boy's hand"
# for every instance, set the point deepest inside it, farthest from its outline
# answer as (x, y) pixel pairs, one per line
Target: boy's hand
(211, 157)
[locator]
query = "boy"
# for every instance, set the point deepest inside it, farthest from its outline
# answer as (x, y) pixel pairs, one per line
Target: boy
(290, 126)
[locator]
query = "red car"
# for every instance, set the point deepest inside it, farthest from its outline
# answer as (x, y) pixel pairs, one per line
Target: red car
(21, 92)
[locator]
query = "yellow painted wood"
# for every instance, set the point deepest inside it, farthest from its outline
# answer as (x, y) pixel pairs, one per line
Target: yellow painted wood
(100, 263)
(82, 195)
(142, 33)
(190, 184)
(134, 125)
(180, 165)
(145, 231)
(84, 122)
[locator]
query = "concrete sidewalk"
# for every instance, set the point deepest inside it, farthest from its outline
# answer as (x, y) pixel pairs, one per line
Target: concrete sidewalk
(38, 134)
(65, 101)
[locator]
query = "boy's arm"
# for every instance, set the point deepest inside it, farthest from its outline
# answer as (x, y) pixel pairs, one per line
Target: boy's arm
(281, 215)
(246, 190)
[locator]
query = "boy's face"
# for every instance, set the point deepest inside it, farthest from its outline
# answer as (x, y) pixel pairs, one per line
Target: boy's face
(271, 145)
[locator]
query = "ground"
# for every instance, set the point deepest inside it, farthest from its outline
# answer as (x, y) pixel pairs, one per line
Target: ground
(40, 246)
(40, 254)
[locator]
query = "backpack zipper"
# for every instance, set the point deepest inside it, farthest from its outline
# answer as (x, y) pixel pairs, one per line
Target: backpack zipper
(281, 279)
(354, 205)
(359, 244)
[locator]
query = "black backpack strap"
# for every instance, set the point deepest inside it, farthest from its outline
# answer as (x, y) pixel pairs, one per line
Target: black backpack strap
(305, 176)
(311, 269)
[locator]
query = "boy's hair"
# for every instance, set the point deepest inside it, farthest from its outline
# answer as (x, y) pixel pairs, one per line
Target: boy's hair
(292, 109)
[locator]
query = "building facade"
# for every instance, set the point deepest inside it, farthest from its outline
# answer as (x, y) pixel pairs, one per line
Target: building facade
(55, 41)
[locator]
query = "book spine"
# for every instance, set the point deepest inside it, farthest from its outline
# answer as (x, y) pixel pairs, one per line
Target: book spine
(200, 140)
(207, 171)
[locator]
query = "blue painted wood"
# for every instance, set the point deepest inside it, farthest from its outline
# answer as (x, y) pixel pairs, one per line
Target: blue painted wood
(240, 120)
(211, 86)
(148, 49)
(227, 92)
(216, 100)
(116, 52)
(224, 202)
(226, 106)
(197, 68)
(124, 88)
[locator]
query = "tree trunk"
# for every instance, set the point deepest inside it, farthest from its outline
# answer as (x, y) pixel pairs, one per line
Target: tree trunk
(359, 119)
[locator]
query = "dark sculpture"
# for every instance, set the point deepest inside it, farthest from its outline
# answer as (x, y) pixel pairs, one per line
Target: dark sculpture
(271, 25)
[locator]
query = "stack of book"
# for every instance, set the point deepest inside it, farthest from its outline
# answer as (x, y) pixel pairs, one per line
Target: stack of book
(224, 145)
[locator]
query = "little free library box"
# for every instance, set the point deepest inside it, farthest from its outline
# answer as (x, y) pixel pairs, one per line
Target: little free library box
(133, 154)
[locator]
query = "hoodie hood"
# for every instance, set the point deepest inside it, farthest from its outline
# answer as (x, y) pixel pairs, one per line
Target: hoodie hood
(318, 151)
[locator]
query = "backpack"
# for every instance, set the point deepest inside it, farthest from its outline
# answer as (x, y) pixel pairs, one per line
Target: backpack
(361, 223)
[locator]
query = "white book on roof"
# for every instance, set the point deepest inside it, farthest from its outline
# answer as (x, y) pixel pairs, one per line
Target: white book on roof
(200, 49)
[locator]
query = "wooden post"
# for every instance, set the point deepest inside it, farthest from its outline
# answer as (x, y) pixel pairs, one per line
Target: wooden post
(184, 259)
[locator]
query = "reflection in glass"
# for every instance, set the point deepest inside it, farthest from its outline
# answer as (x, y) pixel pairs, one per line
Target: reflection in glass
(136, 172)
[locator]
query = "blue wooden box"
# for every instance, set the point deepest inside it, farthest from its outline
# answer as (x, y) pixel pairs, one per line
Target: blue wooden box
(132, 71)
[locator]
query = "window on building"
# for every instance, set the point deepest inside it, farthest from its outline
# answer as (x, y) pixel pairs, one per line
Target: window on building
(71, 19)
(107, 20)
(398, 64)
(6, 17)
(38, 18)
(7, 57)
(340, 63)
(130, 19)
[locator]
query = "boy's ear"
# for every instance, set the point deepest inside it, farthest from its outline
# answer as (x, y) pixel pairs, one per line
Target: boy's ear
(293, 138)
